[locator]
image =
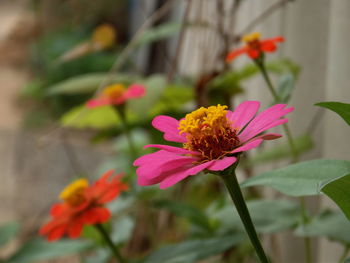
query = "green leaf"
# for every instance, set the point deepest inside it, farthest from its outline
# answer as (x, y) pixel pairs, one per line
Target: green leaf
(155, 86)
(172, 99)
(188, 211)
(82, 117)
(269, 216)
(347, 260)
(281, 151)
(192, 251)
(7, 232)
(159, 32)
(301, 179)
(38, 249)
(285, 87)
(342, 109)
(339, 191)
(88, 83)
(332, 225)
(283, 66)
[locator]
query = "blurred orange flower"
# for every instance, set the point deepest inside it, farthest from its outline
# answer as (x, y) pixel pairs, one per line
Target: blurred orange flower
(254, 46)
(82, 205)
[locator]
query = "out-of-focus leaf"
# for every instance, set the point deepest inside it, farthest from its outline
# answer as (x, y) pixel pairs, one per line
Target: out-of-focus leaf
(194, 250)
(155, 85)
(339, 191)
(88, 83)
(39, 249)
(82, 117)
(285, 87)
(302, 143)
(190, 212)
(303, 178)
(230, 80)
(157, 33)
(269, 216)
(172, 99)
(122, 229)
(90, 232)
(342, 109)
(283, 66)
(347, 260)
(7, 232)
(334, 226)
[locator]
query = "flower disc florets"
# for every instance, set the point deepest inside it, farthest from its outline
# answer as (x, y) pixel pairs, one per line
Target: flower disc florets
(209, 132)
(74, 194)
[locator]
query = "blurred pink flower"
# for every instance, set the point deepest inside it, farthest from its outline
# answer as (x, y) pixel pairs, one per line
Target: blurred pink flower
(211, 138)
(116, 94)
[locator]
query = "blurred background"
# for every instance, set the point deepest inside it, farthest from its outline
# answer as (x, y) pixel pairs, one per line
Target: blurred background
(45, 141)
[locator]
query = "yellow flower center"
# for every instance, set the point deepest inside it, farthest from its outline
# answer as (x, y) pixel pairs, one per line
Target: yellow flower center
(114, 91)
(253, 37)
(209, 132)
(73, 194)
(104, 36)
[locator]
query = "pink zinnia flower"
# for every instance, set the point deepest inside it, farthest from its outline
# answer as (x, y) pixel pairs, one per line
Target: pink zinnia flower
(211, 138)
(117, 94)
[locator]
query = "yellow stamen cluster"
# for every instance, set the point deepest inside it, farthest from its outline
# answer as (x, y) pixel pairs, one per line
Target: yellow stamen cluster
(73, 194)
(114, 91)
(253, 37)
(104, 36)
(204, 120)
(209, 132)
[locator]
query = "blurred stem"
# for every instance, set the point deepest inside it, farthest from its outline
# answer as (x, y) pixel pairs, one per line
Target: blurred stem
(261, 65)
(110, 243)
(122, 114)
(307, 240)
(295, 156)
(345, 253)
(232, 185)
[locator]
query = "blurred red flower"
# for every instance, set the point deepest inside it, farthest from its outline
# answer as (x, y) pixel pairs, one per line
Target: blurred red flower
(82, 205)
(254, 46)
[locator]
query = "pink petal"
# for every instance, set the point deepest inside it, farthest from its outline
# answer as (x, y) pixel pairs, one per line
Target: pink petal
(248, 146)
(154, 166)
(243, 114)
(269, 136)
(135, 91)
(182, 174)
(169, 126)
(149, 177)
(93, 103)
(265, 120)
(219, 165)
(171, 149)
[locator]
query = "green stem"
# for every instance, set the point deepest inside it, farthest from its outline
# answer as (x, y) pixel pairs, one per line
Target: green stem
(295, 155)
(261, 65)
(121, 112)
(307, 240)
(232, 185)
(345, 253)
(109, 242)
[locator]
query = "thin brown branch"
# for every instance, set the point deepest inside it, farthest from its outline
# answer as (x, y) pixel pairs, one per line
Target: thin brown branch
(259, 19)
